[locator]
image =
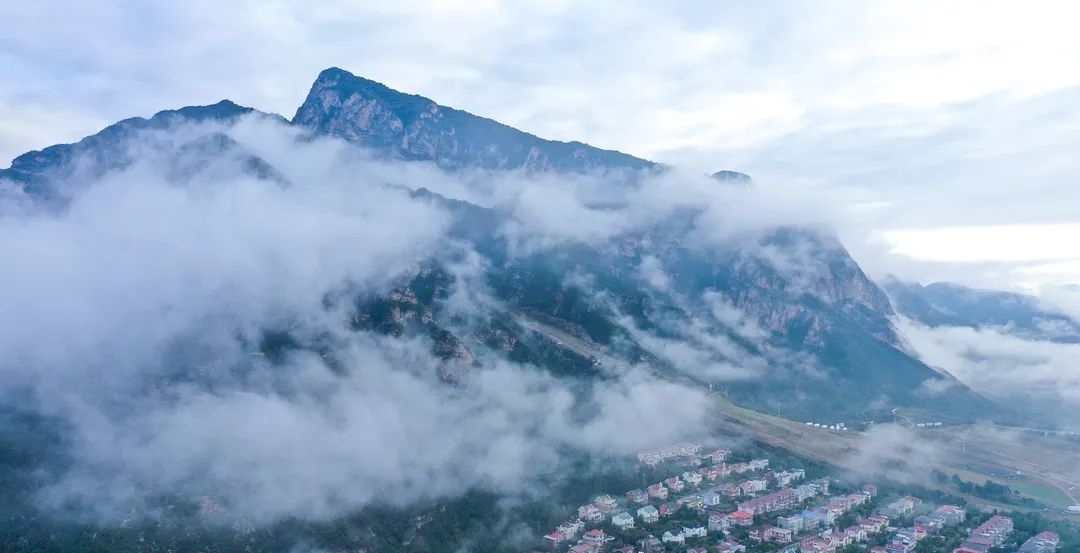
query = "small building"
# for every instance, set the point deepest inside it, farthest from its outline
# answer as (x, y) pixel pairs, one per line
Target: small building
(694, 532)
(637, 496)
(778, 535)
(554, 539)
(668, 509)
(658, 491)
(623, 521)
(729, 546)
(571, 527)
(605, 503)
(793, 523)
(710, 498)
(690, 502)
(595, 536)
(668, 537)
(650, 544)
(589, 513)
(692, 478)
(675, 484)
(742, 518)
(718, 522)
(648, 514)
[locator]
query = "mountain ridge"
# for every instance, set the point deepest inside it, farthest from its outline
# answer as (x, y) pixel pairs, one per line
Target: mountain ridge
(828, 309)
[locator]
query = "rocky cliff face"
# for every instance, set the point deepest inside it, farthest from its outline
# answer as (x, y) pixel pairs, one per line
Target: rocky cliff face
(795, 305)
(415, 128)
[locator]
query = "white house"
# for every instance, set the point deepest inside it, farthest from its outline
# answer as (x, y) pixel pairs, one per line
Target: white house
(695, 532)
(759, 464)
(648, 514)
(605, 503)
(590, 513)
(668, 537)
(710, 498)
(692, 478)
(718, 522)
(623, 521)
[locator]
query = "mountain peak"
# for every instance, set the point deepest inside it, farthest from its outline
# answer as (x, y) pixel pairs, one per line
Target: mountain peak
(411, 127)
(732, 177)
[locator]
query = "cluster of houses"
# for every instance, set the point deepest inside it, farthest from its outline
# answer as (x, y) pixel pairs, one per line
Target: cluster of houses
(905, 539)
(657, 456)
(1043, 542)
(605, 506)
(989, 534)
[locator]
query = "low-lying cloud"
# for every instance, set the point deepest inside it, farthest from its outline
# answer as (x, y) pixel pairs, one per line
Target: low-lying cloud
(134, 314)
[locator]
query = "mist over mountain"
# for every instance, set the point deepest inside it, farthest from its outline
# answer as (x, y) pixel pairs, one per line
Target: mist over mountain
(385, 301)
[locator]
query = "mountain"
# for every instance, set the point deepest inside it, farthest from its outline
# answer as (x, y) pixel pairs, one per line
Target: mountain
(412, 127)
(732, 177)
(43, 174)
(948, 304)
(788, 304)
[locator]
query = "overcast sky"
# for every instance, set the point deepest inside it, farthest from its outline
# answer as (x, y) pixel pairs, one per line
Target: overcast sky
(947, 129)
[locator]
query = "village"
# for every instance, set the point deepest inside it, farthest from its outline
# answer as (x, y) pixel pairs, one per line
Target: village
(721, 504)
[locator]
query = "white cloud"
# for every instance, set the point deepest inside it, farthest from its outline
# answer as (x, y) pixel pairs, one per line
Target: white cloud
(131, 316)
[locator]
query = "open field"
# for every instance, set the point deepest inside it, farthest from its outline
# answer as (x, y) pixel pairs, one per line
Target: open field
(1049, 465)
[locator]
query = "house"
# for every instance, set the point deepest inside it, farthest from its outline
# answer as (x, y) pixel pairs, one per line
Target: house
(757, 534)
(637, 496)
(668, 509)
(710, 498)
(870, 489)
(731, 490)
(778, 535)
(658, 491)
(950, 514)
(596, 537)
(710, 473)
(816, 544)
(694, 532)
(554, 539)
(625, 549)
(718, 522)
(697, 550)
(648, 514)
(994, 530)
(793, 523)
(690, 502)
(805, 491)
(758, 464)
(728, 546)
(720, 455)
(571, 527)
(692, 478)
(649, 544)
(754, 485)
(668, 537)
(739, 468)
(623, 521)
(900, 546)
(589, 513)
(605, 503)
(583, 548)
(742, 518)
(821, 485)
(1043, 542)
(675, 484)
(856, 533)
